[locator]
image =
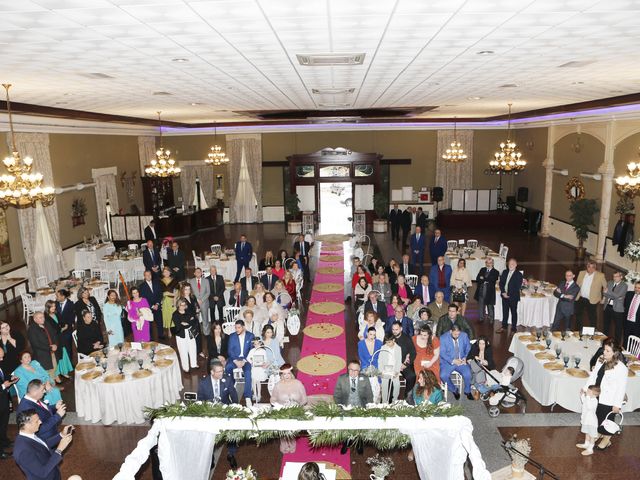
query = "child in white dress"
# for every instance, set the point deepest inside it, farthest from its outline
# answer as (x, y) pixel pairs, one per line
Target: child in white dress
(589, 420)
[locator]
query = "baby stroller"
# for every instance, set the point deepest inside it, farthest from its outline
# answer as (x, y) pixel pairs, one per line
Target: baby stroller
(499, 394)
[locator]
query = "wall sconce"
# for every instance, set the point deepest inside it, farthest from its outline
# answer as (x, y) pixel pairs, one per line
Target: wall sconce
(592, 176)
(561, 171)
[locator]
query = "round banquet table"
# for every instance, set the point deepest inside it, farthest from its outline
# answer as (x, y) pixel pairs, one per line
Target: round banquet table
(534, 310)
(475, 262)
(549, 387)
(228, 268)
(125, 401)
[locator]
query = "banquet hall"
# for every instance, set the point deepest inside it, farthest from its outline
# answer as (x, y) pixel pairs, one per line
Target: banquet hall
(261, 237)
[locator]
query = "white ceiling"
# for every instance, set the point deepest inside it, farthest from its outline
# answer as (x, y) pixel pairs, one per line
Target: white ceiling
(242, 54)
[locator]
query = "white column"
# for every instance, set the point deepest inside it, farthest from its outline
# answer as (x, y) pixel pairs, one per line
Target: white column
(548, 182)
(607, 171)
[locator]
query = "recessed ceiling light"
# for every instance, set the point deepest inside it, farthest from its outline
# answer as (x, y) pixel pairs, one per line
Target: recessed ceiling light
(485, 52)
(474, 98)
(96, 75)
(161, 93)
(180, 60)
(509, 85)
(329, 59)
(193, 104)
(577, 83)
(332, 91)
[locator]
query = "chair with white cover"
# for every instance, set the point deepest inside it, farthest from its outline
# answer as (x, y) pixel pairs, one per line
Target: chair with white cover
(452, 245)
(216, 249)
(412, 280)
(195, 257)
(143, 247)
(284, 299)
(472, 244)
(138, 268)
(288, 262)
(273, 379)
(41, 282)
(293, 323)
(299, 284)
(201, 264)
(78, 274)
(633, 345)
(504, 251)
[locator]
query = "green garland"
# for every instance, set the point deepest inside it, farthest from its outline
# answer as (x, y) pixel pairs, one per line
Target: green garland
(379, 439)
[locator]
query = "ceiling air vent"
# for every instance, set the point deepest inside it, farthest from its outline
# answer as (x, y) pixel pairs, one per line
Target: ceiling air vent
(331, 59)
(97, 75)
(332, 91)
(334, 105)
(576, 64)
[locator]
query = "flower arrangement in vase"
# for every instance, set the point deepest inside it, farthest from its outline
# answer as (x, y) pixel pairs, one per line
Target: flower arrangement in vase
(519, 451)
(242, 474)
(380, 466)
(632, 252)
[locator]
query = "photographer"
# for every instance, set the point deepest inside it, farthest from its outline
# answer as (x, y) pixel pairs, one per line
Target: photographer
(6, 382)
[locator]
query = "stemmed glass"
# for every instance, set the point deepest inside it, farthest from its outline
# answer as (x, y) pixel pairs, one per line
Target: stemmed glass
(558, 352)
(547, 340)
(576, 360)
(120, 366)
(565, 359)
(538, 335)
(153, 355)
(140, 362)
(563, 334)
(104, 366)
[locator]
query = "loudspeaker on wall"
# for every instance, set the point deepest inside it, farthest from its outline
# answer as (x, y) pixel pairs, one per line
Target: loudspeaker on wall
(523, 194)
(438, 194)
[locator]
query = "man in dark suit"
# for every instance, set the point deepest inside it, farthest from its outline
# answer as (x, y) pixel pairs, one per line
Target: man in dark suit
(486, 290)
(37, 458)
(424, 290)
(244, 253)
(395, 217)
(405, 223)
(249, 281)
(66, 313)
(269, 279)
(446, 323)
(437, 246)
(510, 284)
(176, 262)
(421, 220)
(303, 247)
(150, 232)
(239, 345)
(353, 389)
(614, 305)
(440, 278)
(373, 304)
(566, 293)
(632, 313)
(216, 295)
(238, 296)
(151, 290)
(406, 267)
(400, 317)
(408, 355)
(417, 250)
(6, 382)
(51, 416)
(151, 259)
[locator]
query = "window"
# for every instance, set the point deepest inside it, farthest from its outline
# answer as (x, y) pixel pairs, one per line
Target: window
(305, 171)
(335, 171)
(364, 170)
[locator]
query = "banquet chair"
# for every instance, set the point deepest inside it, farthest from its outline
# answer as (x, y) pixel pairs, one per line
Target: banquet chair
(15, 388)
(78, 274)
(504, 250)
(299, 284)
(288, 262)
(229, 314)
(216, 249)
(99, 273)
(143, 247)
(28, 306)
(472, 244)
(74, 335)
(285, 300)
(412, 280)
(366, 260)
(100, 294)
(41, 282)
(452, 245)
(293, 323)
(633, 345)
(260, 274)
(457, 380)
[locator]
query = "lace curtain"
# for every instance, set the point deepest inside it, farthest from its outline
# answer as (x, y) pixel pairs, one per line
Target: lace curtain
(244, 204)
(251, 146)
(452, 176)
(188, 184)
(146, 151)
(36, 146)
(105, 190)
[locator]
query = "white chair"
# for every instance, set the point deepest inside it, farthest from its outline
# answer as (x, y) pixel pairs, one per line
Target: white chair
(78, 274)
(229, 314)
(202, 265)
(458, 381)
(15, 387)
(27, 306)
(41, 282)
(74, 335)
(299, 285)
(366, 260)
(452, 245)
(138, 268)
(461, 242)
(195, 257)
(284, 299)
(273, 379)
(504, 251)
(143, 247)
(412, 280)
(288, 262)
(100, 294)
(260, 274)
(633, 345)
(472, 244)
(293, 323)
(99, 274)
(216, 249)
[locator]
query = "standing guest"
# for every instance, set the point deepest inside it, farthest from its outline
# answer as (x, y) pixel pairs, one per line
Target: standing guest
(407, 267)
(151, 290)
(176, 262)
(303, 248)
(64, 366)
(454, 348)
(150, 232)
(11, 344)
(193, 308)
(239, 345)
(90, 336)
(395, 217)
(421, 219)
(402, 319)
(610, 375)
(220, 343)
(373, 304)
(589, 419)
(510, 283)
(66, 313)
(31, 369)
(424, 290)
(402, 290)
(51, 415)
(592, 283)
(382, 285)
(244, 253)
(185, 330)
(267, 261)
(38, 459)
(389, 364)
(460, 282)
(614, 305)
(440, 277)
(427, 347)
(113, 318)
(405, 223)
(6, 382)
(278, 269)
(417, 249)
(480, 355)
(249, 281)
(438, 307)
(486, 291)
(408, 354)
(43, 339)
(169, 286)
(269, 279)
(632, 313)
(446, 322)
(566, 293)
(288, 391)
(238, 296)
(137, 317)
(86, 301)
(414, 219)
(361, 292)
(437, 246)
(151, 259)
(427, 390)
(259, 360)
(371, 320)
(200, 288)
(216, 295)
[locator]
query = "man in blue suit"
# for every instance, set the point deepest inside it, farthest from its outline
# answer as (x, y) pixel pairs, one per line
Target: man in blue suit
(240, 343)
(440, 278)
(151, 259)
(50, 416)
(151, 290)
(437, 246)
(400, 317)
(510, 284)
(244, 252)
(424, 290)
(454, 348)
(37, 458)
(417, 244)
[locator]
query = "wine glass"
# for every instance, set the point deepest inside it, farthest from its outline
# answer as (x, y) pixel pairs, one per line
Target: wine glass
(120, 365)
(104, 366)
(548, 342)
(140, 362)
(97, 360)
(558, 351)
(576, 360)
(563, 334)
(565, 359)
(538, 335)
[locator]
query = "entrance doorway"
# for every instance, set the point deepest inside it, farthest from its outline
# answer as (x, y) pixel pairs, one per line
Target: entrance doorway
(335, 207)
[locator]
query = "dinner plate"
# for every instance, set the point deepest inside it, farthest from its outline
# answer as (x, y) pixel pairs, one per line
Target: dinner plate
(527, 338)
(553, 366)
(577, 372)
(164, 351)
(142, 373)
(85, 366)
(91, 375)
(538, 295)
(164, 362)
(545, 356)
(535, 346)
(114, 378)
(631, 373)
(635, 367)
(148, 345)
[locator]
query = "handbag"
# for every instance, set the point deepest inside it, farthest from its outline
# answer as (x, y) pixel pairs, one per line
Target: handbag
(459, 295)
(611, 426)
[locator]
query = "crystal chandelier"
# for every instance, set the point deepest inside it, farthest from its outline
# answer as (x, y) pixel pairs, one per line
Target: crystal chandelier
(629, 185)
(455, 154)
(508, 160)
(21, 188)
(163, 165)
(216, 156)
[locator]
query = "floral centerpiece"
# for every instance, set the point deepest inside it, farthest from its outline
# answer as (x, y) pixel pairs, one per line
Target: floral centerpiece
(242, 474)
(127, 356)
(380, 466)
(519, 450)
(632, 252)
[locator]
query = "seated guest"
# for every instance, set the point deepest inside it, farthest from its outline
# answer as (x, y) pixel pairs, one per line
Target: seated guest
(186, 331)
(250, 323)
(373, 304)
(290, 285)
(89, 334)
(438, 307)
(216, 295)
(112, 311)
(238, 296)
(440, 278)
(424, 290)
(402, 319)
(259, 294)
(381, 284)
(361, 292)
(87, 302)
(51, 415)
(296, 272)
(269, 279)
(38, 459)
(408, 353)
(414, 307)
(282, 256)
(278, 269)
(373, 265)
(403, 290)
(393, 304)
(454, 348)
(423, 320)
(360, 272)
(389, 364)
(219, 343)
(29, 370)
(393, 270)
(271, 305)
(480, 356)
(249, 281)
(427, 389)
(43, 339)
(427, 347)
(239, 345)
(454, 318)
(260, 315)
(276, 321)
(271, 343)
(267, 261)
(139, 318)
(12, 345)
(353, 389)
(282, 295)
(288, 391)
(407, 268)
(368, 349)
(371, 320)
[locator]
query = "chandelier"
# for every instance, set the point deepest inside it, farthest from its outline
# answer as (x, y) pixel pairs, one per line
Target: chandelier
(216, 156)
(629, 185)
(163, 165)
(21, 188)
(455, 154)
(508, 160)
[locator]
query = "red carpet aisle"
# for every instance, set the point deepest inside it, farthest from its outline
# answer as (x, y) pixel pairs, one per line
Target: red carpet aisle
(322, 357)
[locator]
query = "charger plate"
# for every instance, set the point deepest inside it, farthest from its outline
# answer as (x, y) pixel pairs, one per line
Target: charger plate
(545, 356)
(91, 375)
(554, 366)
(165, 362)
(142, 373)
(85, 366)
(114, 378)
(535, 346)
(164, 351)
(577, 372)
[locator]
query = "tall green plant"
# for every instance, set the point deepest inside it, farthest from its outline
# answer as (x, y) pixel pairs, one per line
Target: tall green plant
(582, 217)
(291, 203)
(381, 204)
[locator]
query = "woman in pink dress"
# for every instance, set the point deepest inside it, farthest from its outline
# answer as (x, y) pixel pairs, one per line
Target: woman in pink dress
(141, 329)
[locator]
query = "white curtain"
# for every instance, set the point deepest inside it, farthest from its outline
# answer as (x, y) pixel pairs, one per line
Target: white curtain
(36, 146)
(203, 201)
(452, 176)
(244, 205)
(44, 254)
(249, 146)
(181, 451)
(188, 184)
(146, 152)
(106, 191)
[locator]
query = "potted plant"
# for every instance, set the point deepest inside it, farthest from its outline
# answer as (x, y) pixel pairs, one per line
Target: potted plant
(583, 212)
(380, 466)
(381, 207)
(624, 207)
(78, 211)
(291, 204)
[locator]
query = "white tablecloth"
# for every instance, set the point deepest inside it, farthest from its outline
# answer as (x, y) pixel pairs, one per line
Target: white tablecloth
(557, 387)
(124, 402)
(532, 311)
(85, 259)
(228, 268)
(476, 262)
